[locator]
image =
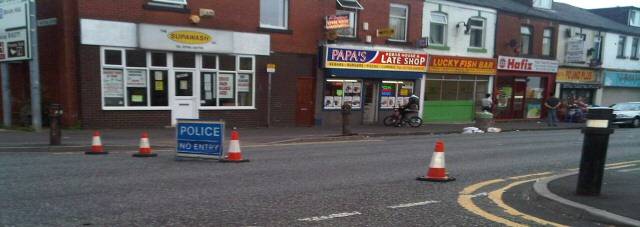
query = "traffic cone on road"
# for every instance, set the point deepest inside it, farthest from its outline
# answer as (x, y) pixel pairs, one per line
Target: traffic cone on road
(437, 171)
(145, 147)
(96, 145)
(234, 154)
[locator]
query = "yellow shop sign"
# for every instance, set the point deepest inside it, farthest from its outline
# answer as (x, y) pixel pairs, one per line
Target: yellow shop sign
(190, 37)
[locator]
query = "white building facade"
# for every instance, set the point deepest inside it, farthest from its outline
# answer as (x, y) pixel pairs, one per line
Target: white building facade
(461, 68)
(621, 68)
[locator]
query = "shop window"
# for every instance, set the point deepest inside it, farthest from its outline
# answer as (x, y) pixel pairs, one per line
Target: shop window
(209, 62)
(208, 91)
(274, 13)
(227, 62)
(136, 87)
(450, 90)
(159, 59)
(438, 29)
(246, 64)
(113, 87)
(339, 91)
(622, 42)
(433, 90)
(476, 32)
(159, 83)
(398, 15)
(394, 94)
(112, 57)
(525, 40)
(245, 91)
(226, 91)
(136, 58)
(465, 90)
(456, 88)
(547, 41)
(353, 20)
(184, 60)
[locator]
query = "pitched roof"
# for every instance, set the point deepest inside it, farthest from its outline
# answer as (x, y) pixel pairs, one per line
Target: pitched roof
(561, 12)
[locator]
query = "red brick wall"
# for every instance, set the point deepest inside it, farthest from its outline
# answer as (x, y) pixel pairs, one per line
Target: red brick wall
(508, 28)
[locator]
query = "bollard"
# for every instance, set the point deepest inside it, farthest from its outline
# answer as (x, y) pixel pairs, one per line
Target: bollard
(346, 121)
(55, 132)
(594, 151)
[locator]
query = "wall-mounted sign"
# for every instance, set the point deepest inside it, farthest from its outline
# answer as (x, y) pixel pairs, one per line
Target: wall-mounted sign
(271, 68)
(47, 22)
(576, 75)
(14, 30)
(385, 32)
(527, 64)
(575, 51)
(621, 79)
(184, 39)
(461, 65)
(190, 37)
(337, 22)
(341, 58)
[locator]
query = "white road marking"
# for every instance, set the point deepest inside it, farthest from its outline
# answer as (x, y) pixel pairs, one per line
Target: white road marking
(413, 204)
(480, 194)
(620, 167)
(628, 170)
(310, 143)
(331, 216)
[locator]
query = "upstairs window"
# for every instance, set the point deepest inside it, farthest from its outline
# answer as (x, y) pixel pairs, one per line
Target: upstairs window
(634, 18)
(176, 2)
(622, 42)
(353, 21)
(634, 48)
(398, 15)
(597, 46)
(547, 41)
(476, 32)
(525, 43)
(274, 14)
(350, 4)
(543, 4)
(438, 29)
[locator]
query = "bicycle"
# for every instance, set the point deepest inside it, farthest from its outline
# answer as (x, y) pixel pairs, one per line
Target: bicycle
(396, 119)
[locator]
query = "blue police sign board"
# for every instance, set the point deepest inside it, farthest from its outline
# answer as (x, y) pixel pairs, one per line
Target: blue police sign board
(200, 139)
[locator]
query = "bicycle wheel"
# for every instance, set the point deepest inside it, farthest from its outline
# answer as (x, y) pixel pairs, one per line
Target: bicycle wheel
(390, 121)
(415, 121)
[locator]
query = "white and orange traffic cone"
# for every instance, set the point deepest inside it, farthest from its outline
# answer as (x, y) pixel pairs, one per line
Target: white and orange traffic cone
(96, 145)
(437, 171)
(145, 147)
(234, 154)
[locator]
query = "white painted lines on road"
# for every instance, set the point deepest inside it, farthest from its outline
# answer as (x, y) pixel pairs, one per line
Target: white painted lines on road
(620, 167)
(311, 143)
(628, 170)
(412, 204)
(479, 194)
(331, 216)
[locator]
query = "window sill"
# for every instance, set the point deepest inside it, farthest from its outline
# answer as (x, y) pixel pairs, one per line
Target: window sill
(438, 47)
(476, 50)
(228, 108)
(110, 108)
(166, 7)
(275, 30)
(635, 59)
(347, 38)
(621, 57)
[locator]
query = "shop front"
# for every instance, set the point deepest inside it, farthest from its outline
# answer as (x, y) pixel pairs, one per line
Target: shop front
(154, 74)
(373, 81)
(455, 87)
(521, 87)
(620, 86)
(577, 85)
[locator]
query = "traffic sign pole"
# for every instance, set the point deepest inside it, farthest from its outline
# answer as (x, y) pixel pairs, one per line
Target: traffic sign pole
(34, 69)
(6, 95)
(269, 102)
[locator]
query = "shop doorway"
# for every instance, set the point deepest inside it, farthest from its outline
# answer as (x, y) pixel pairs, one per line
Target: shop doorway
(185, 104)
(370, 101)
(520, 97)
(304, 101)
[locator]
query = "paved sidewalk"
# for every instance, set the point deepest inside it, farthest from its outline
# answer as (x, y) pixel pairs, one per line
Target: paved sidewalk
(165, 137)
(618, 202)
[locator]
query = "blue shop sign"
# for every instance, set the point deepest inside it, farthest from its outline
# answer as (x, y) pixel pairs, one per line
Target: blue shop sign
(621, 79)
(202, 139)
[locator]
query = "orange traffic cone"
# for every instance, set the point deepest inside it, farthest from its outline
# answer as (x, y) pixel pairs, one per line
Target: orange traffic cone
(96, 145)
(234, 154)
(437, 171)
(145, 147)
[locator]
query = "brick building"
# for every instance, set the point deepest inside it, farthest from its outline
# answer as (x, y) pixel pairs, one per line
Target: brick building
(144, 63)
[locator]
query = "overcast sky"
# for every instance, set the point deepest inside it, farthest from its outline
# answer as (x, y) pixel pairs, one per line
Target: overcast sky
(590, 4)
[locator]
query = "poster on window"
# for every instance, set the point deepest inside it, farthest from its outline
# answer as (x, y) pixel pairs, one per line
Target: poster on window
(533, 110)
(244, 81)
(337, 101)
(347, 99)
(357, 87)
(225, 86)
(112, 83)
(328, 102)
(136, 78)
(388, 90)
(384, 102)
(355, 103)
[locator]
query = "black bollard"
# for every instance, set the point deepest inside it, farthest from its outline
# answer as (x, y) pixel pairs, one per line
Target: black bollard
(346, 121)
(594, 151)
(55, 132)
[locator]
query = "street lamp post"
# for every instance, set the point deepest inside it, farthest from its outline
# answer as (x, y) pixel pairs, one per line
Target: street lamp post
(594, 151)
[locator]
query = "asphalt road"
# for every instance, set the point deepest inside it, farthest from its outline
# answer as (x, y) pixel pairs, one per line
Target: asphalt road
(355, 183)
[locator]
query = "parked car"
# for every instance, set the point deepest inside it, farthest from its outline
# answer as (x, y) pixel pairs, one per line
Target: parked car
(627, 114)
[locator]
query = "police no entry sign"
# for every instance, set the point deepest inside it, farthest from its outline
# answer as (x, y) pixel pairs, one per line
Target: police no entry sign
(201, 139)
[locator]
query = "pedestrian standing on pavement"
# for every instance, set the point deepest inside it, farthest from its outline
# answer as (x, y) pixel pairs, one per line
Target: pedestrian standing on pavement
(487, 103)
(552, 105)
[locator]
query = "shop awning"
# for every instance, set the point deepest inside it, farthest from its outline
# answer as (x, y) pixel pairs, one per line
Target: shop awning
(372, 74)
